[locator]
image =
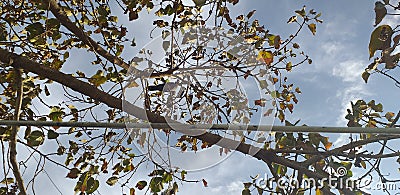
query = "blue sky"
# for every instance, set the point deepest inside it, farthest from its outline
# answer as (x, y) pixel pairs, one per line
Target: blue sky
(340, 54)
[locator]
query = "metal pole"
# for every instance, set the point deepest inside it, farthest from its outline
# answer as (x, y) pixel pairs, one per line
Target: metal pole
(207, 126)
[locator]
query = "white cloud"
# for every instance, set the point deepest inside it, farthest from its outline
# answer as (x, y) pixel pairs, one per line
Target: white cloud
(349, 71)
(234, 187)
(332, 47)
(349, 94)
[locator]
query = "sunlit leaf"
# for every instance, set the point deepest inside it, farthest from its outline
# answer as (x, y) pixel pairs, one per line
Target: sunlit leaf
(313, 28)
(318, 192)
(7, 181)
(98, 78)
(265, 56)
(380, 39)
(389, 115)
(292, 19)
(289, 66)
(132, 191)
(112, 180)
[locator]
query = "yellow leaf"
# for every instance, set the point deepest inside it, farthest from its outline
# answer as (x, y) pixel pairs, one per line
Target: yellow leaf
(318, 192)
(132, 191)
(313, 28)
(131, 84)
(363, 164)
(380, 39)
(266, 56)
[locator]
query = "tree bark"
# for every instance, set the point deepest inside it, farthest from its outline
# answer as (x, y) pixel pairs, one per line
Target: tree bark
(13, 136)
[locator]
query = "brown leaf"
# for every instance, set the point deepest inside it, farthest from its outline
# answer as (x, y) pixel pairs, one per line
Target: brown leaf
(260, 102)
(277, 42)
(133, 15)
(73, 173)
(380, 12)
(204, 183)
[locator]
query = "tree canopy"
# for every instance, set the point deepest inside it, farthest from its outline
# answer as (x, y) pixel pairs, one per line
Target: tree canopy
(71, 60)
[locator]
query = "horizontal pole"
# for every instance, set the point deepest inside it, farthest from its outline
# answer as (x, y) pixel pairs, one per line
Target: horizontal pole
(267, 128)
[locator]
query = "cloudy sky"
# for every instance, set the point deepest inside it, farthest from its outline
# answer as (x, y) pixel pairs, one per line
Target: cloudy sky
(340, 54)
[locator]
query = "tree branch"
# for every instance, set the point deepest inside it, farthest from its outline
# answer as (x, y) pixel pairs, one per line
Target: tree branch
(65, 21)
(349, 146)
(13, 136)
(87, 89)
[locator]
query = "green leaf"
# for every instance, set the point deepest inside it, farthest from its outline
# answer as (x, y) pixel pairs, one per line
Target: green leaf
(183, 174)
(246, 192)
(289, 66)
(313, 28)
(169, 10)
(3, 191)
(165, 45)
(380, 12)
(365, 75)
(380, 39)
(52, 134)
(378, 107)
(301, 12)
(199, 3)
(98, 78)
(92, 185)
(263, 84)
(36, 138)
(34, 30)
(275, 94)
(112, 180)
(52, 24)
(156, 184)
